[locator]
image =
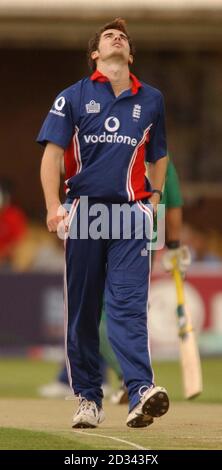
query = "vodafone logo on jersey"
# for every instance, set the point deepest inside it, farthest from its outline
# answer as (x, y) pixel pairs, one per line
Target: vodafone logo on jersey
(58, 106)
(60, 103)
(111, 124)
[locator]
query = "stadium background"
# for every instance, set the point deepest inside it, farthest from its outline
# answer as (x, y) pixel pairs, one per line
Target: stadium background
(43, 50)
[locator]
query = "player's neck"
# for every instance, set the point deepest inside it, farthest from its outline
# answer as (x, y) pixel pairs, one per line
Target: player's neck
(118, 75)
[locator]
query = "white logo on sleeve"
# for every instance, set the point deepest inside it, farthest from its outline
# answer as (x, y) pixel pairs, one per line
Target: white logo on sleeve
(112, 124)
(58, 106)
(60, 103)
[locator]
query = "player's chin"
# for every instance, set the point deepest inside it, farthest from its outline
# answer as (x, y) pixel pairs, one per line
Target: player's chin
(120, 54)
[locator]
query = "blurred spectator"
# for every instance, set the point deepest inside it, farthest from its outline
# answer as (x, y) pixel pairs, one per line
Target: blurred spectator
(13, 224)
(25, 246)
(202, 244)
(39, 251)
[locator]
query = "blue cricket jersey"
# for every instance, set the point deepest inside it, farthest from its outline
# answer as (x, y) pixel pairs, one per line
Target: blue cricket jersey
(106, 138)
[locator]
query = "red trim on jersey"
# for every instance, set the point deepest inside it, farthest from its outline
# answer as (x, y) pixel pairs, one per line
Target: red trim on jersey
(97, 75)
(135, 84)
(70, 162)
(138, 175)
(72, 158)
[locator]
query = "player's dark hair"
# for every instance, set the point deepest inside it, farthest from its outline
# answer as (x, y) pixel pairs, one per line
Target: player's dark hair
(118, 24)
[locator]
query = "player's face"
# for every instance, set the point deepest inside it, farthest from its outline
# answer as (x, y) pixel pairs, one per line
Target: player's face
(113, 43)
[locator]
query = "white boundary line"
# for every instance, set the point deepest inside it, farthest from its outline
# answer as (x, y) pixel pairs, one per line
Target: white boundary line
(110, 437)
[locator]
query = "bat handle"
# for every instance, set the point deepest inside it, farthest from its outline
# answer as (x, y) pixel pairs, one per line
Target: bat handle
(178, 282)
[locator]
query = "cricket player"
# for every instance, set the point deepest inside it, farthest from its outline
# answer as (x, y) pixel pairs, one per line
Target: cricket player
(173, 201)
(105, 127)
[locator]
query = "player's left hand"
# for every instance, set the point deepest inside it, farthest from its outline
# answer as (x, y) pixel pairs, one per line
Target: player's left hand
(155, 200)
(182, 256)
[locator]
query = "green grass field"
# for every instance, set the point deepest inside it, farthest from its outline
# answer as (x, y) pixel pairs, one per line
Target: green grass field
(29, 422)
(22, 377)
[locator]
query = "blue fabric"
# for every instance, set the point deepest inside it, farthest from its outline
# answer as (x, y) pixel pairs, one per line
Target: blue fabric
(63, 376)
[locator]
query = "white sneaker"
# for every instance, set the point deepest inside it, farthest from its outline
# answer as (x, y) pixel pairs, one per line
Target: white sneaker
(154, 403)
(88, 415)
(120, 397)
(54, 390)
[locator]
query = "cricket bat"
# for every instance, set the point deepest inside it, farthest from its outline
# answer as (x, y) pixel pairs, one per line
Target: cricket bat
(189, 353)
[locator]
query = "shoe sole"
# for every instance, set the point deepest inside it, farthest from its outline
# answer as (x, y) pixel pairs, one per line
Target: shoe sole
(156, 405)
(83, 425)
(86, 424)
(140, 421)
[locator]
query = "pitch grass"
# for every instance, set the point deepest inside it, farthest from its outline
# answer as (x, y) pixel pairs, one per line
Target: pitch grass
(21, 439)
(33, 423)
(187, 425)
(22, 377)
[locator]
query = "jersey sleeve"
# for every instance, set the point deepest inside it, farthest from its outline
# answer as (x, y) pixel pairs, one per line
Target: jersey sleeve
(157, 146)
(59, 124)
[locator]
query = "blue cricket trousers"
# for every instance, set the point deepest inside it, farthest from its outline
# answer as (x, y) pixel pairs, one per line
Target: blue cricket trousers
(120, 268)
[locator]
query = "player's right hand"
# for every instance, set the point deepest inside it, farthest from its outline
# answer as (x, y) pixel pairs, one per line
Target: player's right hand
(55, 215)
